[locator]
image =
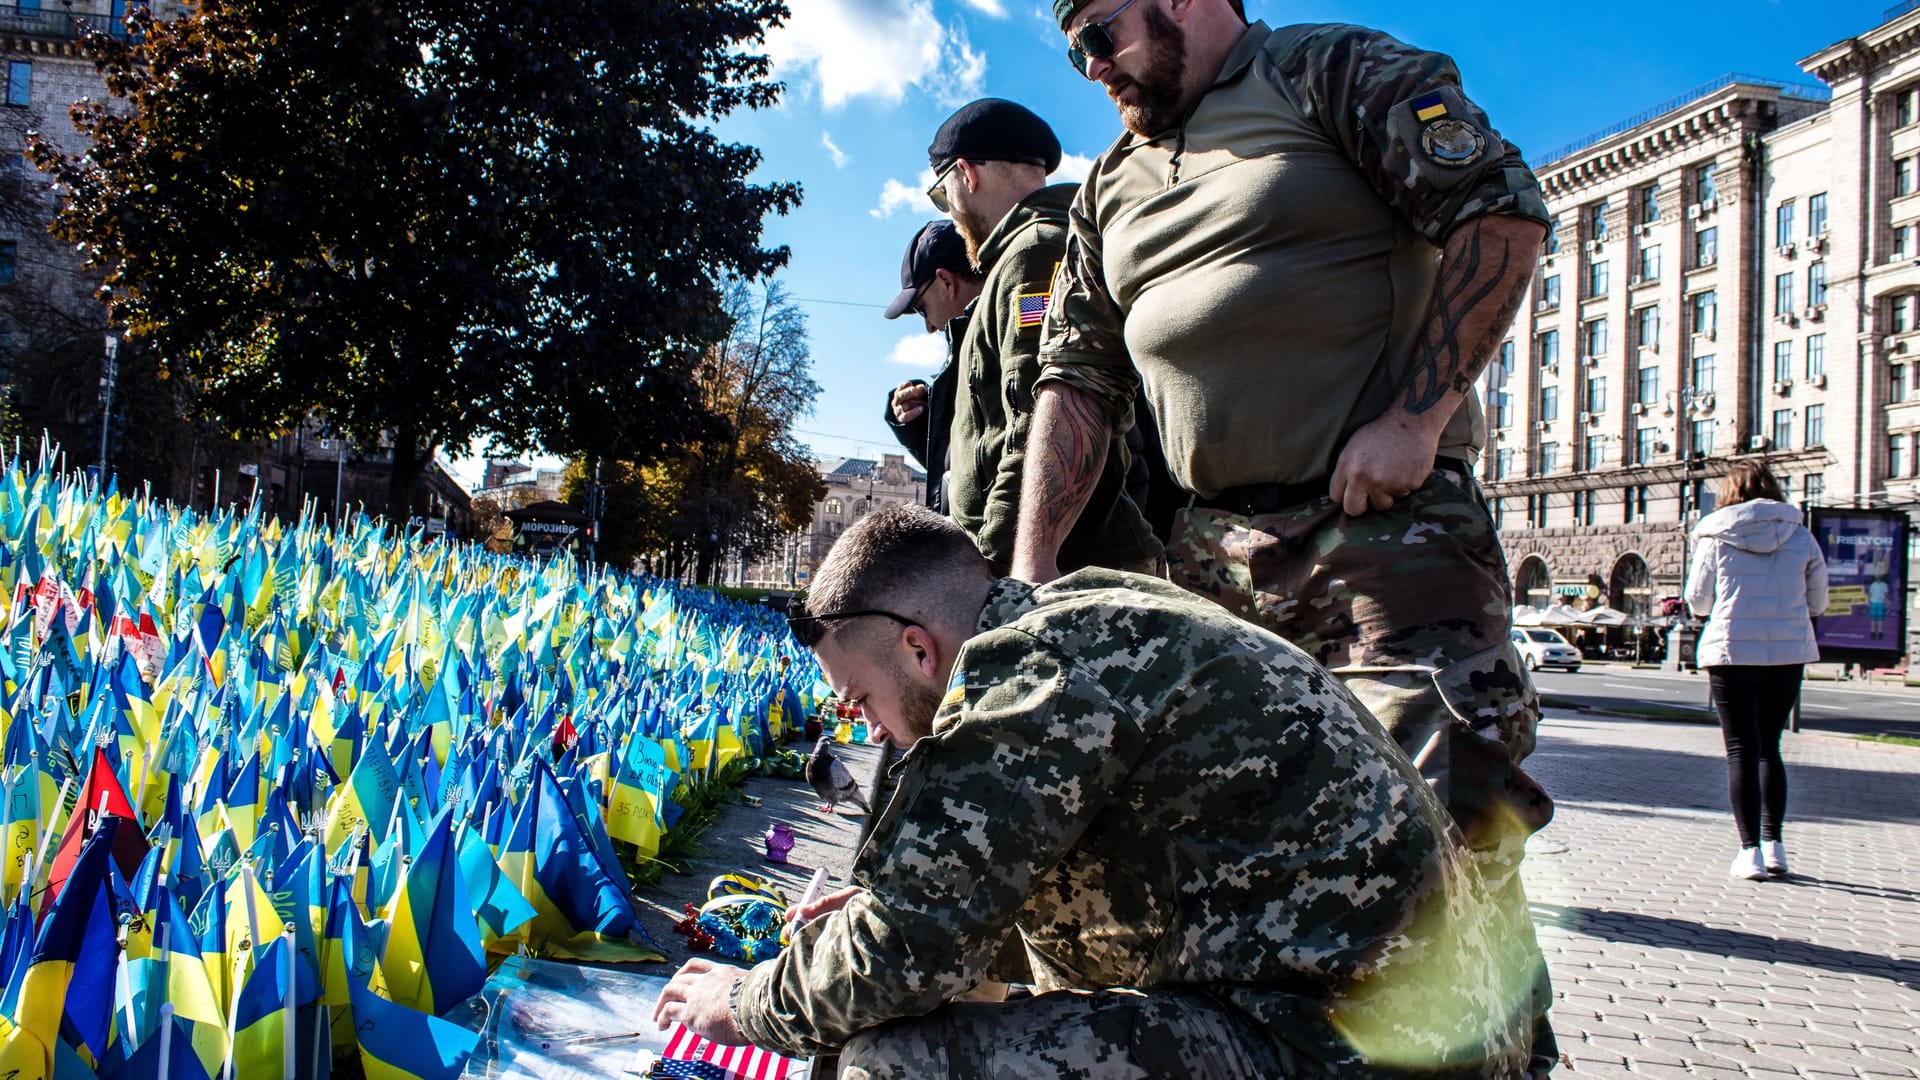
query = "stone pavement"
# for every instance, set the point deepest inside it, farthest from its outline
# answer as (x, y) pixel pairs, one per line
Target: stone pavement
(1663, 966)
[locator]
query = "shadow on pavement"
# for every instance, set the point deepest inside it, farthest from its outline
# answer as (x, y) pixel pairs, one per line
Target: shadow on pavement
(1643, 776)
(1675, 933)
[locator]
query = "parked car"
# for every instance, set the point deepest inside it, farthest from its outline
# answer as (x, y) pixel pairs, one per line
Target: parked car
(1541, 647)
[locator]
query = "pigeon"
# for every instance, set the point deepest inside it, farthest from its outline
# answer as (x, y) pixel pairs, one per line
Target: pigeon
(831, 780)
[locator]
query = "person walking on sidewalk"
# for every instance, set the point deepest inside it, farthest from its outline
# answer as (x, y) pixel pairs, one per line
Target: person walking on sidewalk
(1757, 578)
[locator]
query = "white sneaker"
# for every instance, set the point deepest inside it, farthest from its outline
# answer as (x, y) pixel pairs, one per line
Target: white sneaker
(1774, 854)
(1747, 865)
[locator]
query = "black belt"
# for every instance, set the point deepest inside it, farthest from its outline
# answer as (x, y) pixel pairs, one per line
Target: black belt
(1248, 500)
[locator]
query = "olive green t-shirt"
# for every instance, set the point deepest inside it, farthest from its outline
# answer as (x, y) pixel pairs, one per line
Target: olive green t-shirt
(1268, 267)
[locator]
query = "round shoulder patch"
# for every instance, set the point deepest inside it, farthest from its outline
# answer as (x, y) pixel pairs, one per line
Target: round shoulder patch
(1453, 142)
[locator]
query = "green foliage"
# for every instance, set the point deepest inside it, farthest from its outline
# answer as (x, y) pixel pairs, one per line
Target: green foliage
(431, 220)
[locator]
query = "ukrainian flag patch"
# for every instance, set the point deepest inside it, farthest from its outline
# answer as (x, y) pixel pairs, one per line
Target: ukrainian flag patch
(956, 688)
(1429, 107)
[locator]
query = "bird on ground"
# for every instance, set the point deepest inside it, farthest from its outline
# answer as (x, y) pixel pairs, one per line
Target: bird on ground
(831, 780)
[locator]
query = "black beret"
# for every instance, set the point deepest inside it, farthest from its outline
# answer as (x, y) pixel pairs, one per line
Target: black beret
(992, 129)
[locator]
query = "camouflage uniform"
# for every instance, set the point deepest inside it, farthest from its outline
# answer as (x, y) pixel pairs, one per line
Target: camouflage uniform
(1153, 796)
(1265, 271)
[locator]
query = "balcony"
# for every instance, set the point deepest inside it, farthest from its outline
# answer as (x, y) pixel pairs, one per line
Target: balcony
(56, 21)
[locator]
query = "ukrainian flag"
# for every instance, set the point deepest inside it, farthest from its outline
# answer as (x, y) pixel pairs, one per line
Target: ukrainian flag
(1429, 107)
(433, 959)
(398, 1043)
(579, 912)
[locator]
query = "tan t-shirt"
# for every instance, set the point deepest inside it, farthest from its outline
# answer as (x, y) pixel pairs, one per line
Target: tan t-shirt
(1268, 267)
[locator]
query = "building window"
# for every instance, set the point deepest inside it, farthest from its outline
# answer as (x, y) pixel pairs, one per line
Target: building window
(1702, 432)
(1547, 349)
(1553, 236)
(1783, 294)
(1783, 223)
(1646, 323)
(1903, 108)
(1502, 464)
(1706, 246)
(1549, 403)
(1816, 355)
(9, 257)
(1537, 511)
(1703, 374)
(1549, 457)
(1817, 214)
(1636, 503)
(1643, 444)
(1783, 429)
(1816, 488)
(1596, 452)
(1896, 457)
(1897, 385)
(1583, 508)
(1782, 361)
(1597, 278)
(1649, 386)
(1597, 394)
(1817, 285)
(1650, 263)
(1550, 291)
(1597, 220)
(1706, 312)
(1816, 425)
(832, 507)
(1899, 315)
(1903, 176)
(1597, 336)
(20, 83)
(1506, 356)
(1502, 409)
(1650, 203)
(1903, 241)
(1704, 189)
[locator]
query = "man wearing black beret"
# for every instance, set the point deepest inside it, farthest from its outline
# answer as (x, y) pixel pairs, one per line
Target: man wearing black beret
(990, 163)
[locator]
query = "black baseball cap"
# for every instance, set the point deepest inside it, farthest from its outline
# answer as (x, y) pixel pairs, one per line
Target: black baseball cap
(937, 246)
(993, 129)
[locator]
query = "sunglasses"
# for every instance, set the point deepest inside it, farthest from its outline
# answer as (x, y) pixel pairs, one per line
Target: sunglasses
(918, 307)
(937, 191)
(809, 630)
(1093, 42)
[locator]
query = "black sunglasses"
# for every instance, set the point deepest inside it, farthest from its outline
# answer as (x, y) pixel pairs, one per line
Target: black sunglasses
(1093, 42)
(808, 629)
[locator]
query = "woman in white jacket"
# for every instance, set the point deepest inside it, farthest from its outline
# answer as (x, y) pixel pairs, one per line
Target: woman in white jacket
(1758, 578)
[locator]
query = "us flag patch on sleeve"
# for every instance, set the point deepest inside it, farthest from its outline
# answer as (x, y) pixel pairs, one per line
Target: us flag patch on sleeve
(1031, 308)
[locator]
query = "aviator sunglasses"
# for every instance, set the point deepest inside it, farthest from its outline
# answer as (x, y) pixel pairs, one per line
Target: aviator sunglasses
(1093, 42)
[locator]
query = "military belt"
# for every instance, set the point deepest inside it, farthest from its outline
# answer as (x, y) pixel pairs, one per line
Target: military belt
(1248, 500)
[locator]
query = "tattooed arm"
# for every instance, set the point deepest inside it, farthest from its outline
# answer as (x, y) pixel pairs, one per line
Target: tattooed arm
(1066, 449)
(1484, 272)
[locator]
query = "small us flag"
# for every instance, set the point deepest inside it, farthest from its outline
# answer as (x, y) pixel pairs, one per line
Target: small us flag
(689, 1055)
(1033, 308)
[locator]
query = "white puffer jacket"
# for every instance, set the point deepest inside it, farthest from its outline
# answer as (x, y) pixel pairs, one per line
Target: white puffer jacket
(1757, 577)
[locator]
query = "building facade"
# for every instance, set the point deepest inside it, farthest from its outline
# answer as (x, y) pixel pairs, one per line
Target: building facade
(855, 488)
(1734, 273)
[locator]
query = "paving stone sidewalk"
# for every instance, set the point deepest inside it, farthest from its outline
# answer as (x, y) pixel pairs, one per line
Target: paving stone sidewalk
(1663, 966)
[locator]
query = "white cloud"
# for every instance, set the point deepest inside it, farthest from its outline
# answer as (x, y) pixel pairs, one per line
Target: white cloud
(988, 7)
(921, 350)
(1073, 169)
(896, 196)
(877, 48)
(839, 156)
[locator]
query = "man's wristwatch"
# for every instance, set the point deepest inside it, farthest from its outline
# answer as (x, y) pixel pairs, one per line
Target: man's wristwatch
(733, 1005)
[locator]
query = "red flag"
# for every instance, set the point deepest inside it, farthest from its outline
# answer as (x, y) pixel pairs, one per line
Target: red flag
(100, 797)
(741, 1062)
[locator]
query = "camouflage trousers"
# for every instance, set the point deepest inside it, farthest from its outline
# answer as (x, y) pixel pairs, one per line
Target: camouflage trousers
(1412, 608)
(1107, 1035)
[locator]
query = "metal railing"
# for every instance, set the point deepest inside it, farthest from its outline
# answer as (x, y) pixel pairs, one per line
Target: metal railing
(59, 23)
(1797, 91)
(1898, 10)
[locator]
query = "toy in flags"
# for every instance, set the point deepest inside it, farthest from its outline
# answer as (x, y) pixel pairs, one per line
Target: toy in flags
(276, 796)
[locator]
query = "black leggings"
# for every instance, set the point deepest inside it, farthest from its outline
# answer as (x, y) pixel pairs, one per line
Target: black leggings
(1753, 704)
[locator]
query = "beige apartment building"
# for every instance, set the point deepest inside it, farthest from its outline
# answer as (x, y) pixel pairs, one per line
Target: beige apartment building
(1732, 273)
(855, 488)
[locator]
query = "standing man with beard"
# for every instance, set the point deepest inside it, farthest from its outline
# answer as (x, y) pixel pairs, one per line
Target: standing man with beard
(939, 284)
(991, 161)
(1307, 245)
(1217, 865)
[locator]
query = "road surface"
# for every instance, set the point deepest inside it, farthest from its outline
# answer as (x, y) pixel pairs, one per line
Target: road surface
(1830, 707)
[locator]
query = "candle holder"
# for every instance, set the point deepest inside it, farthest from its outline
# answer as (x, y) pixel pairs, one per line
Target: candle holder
(779, 842)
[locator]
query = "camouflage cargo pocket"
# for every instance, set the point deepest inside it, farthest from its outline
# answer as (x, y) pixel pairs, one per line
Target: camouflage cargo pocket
(1496, 713)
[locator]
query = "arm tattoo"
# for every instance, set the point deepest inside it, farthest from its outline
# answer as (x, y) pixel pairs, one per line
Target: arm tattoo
(1462, 332)
(1074, 453)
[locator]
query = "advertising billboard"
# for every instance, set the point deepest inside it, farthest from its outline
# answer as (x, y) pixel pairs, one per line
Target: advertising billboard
(1866, 616)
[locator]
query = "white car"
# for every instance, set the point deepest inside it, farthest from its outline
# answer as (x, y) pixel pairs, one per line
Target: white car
(1545, 648)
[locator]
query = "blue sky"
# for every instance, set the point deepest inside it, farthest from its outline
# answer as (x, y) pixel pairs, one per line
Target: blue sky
(868, 82)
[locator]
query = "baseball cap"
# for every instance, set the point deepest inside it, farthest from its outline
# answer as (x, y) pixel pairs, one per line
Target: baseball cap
(1063, 10)
(994, 129)
(937, 246)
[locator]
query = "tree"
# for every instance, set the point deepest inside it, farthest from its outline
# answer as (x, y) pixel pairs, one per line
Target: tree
(431, 220)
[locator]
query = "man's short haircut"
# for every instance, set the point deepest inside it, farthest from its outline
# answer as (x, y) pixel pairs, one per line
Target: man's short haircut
(903, 559)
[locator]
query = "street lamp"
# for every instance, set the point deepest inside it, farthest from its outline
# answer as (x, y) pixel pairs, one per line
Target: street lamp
(109, 372)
